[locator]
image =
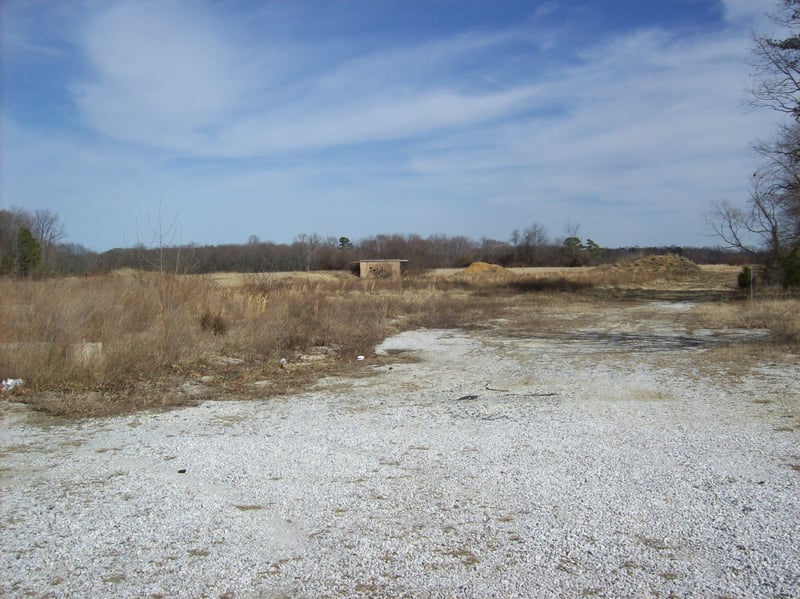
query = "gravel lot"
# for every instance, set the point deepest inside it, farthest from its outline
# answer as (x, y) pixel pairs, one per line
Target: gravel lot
(499, 465)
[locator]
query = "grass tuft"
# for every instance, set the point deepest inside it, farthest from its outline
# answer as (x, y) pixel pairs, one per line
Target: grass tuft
(213, 322)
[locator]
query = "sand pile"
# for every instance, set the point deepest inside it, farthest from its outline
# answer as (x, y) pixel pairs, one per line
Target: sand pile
(478, 269)
(668, 265)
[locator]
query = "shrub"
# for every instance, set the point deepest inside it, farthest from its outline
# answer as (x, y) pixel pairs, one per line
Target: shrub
(744, 278)
(791, 269)
(213, 322)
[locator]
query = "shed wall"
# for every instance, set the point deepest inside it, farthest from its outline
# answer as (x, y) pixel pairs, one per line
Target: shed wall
(380, 269)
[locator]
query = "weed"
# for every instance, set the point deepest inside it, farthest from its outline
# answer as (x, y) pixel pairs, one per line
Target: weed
(781, 316)
(745, 278)
(213, 322)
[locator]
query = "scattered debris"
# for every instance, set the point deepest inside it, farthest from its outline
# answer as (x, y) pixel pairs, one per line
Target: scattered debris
(11, 384)
(488, 388)
(192, 388)
(227, 361)
(515, 394)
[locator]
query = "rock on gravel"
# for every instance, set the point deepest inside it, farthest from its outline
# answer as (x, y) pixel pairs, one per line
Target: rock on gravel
(571, 471)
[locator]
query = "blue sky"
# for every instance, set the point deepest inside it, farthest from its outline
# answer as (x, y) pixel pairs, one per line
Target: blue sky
(354, 118)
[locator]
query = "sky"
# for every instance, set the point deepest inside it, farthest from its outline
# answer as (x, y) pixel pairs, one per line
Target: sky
(622, 119)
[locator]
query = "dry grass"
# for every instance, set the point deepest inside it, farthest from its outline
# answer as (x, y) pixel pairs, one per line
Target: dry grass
(780, 316)
(111, 344)
(119, 343)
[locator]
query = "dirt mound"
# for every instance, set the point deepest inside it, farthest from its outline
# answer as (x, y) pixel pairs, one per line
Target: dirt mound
(484, 269)
(667, 265)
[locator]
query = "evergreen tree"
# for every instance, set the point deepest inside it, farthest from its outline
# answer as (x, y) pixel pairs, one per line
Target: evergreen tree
(28, 253)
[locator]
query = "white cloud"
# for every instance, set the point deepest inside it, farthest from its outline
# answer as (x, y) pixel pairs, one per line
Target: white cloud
(161, 75)
(647, 122)
(368, 119)
(440, 61)
(646, 93)
(166, 78)
(746, 9)
(494, 135)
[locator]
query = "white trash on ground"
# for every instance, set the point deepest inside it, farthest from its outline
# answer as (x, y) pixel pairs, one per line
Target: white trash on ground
(11, 384)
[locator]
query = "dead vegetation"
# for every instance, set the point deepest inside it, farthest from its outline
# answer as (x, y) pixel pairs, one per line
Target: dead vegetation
(104, 345)
(668, 265)
(779, 316)
(111, 344)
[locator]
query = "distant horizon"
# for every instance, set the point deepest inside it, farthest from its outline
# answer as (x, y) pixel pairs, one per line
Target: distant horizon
(553, 242)
(276, 119)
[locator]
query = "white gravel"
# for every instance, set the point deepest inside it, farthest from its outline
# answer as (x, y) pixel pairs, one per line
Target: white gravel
(602, 467)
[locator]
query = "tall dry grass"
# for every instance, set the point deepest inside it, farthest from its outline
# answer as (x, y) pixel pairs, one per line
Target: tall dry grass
(115, 343)
(779, 315)
(135, 326)
(140, 337)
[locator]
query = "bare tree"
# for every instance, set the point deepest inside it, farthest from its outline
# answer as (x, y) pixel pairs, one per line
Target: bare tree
(531, 243)
(307, 246)
(771, 219)
(776, 62)
(48, 230)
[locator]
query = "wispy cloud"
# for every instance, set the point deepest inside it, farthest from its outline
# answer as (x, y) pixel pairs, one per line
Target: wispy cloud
(167, 78)
(160, 74)
(742, 9)
(648, 119)
(222, 109)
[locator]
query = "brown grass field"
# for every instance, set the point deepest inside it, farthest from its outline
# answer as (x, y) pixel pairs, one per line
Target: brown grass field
(130, 340)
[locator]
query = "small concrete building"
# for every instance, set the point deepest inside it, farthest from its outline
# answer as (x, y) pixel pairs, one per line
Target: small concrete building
(379, 269)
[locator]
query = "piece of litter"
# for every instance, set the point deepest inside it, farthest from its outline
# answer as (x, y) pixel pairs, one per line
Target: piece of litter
(489, 388)
(10, 384)
(359, 358)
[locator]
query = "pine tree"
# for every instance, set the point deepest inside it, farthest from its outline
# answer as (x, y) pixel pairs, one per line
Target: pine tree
(28, 253)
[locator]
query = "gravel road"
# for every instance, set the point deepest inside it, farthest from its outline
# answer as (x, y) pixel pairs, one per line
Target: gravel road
(497, 465)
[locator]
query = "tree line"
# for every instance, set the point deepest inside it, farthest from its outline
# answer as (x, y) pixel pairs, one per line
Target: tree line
(766, 230)
(314, 252)
(31, 245)
(29, 241)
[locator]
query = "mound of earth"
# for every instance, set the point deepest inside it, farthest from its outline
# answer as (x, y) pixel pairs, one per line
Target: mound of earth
(484, 268)
(667, 265)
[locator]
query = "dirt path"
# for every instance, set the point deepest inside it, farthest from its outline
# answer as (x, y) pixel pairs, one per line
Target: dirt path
(604, 461)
